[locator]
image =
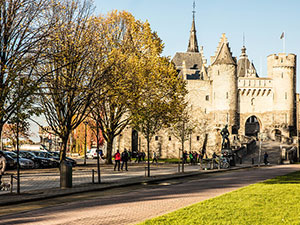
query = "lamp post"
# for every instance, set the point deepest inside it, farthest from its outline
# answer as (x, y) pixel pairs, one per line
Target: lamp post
(85, 124)
(259, 152)
(297, 128)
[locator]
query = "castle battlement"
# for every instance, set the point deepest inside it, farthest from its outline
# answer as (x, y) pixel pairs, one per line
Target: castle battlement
(282, 60)
(249, 82)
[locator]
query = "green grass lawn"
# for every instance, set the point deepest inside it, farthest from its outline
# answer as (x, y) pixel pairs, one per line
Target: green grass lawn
(275, 201)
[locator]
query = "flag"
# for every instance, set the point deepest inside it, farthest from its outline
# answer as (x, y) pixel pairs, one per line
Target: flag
(282, 35)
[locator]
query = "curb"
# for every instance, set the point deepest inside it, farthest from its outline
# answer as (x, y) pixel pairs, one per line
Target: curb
(30, 197)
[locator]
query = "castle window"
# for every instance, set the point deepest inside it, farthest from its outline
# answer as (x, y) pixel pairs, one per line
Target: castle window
(156, 138)
(218, 72)
(214, 95)
(205, 110)
(285, 118)
(170, 139)
(281, 75)
(281, 60)
(198, 138)
(226, 95)
(285, 95)
(227, 117)
(207, 97)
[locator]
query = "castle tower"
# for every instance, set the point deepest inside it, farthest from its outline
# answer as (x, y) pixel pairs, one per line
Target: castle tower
(282, 69)
(223, 72)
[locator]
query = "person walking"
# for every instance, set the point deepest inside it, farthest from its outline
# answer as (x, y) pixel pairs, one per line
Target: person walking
(191, 158)
(2, 166)
(154, 157)
(117, 160)
(266, 158)
(124, 158)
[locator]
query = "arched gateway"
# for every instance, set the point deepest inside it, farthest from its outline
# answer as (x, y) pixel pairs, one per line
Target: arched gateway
(252, 126)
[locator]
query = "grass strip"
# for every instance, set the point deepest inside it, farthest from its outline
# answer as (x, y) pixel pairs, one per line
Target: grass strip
(274, 201)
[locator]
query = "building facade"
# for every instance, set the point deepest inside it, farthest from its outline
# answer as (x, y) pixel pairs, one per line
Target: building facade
(229, 91)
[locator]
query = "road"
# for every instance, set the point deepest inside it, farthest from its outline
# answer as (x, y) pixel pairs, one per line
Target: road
(135, 204)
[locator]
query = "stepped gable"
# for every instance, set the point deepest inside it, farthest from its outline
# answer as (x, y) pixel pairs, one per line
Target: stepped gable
(244, 67)
(223, 54)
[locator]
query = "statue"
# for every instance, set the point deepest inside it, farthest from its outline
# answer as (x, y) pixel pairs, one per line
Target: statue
(225, 140)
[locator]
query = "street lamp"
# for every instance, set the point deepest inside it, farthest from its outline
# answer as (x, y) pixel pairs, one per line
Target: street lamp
(259, 152)
(85, 124)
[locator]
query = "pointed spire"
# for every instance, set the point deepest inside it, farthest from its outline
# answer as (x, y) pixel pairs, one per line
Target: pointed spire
(193, 44)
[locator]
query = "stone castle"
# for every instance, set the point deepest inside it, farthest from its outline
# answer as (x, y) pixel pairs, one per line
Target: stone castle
(228, 91)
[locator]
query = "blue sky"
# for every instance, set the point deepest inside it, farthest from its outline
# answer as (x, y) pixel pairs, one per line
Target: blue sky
(262, 21)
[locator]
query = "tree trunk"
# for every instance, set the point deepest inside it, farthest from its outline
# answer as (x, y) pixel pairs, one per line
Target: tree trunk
(98, 155)
(109, 149)
(63, 149)
(1, 141)
(148, 152)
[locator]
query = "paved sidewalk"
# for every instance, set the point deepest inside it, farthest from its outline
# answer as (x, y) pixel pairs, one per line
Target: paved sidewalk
(109, 180)
(137, 204)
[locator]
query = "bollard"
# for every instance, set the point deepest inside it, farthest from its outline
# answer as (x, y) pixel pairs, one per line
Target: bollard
(11, 183)
(65, 174)
(241, 160)
(252, 161)
(93, 176)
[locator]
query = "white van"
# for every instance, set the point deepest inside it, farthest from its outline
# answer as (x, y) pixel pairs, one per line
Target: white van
(92, 153)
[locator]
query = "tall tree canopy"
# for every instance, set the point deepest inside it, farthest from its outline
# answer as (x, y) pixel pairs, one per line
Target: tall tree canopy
(22, 34)
(72, 70)
(127, 42)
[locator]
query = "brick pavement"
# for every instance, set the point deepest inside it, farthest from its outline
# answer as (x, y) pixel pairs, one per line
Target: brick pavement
(50, 179)
(151, 201)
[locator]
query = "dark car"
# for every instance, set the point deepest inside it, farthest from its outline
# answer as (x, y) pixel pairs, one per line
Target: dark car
(39, 162)
(24, 163)
(10, 162)
(53, 161)
(56, 156)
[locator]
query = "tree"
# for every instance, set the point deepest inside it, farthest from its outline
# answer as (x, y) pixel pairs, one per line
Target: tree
(126, 42)
(22, 32)
(160, 100)
(182, 129)
(67, 92)
(10, 131)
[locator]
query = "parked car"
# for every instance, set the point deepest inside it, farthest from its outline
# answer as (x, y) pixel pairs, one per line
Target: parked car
(10, 162)
(53, 161)
(39, 162)
(24, 163)
(56, 156)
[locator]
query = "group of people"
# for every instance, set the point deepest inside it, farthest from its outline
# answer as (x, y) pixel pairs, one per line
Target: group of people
(140, 157)
(124, 157)
(193, 156)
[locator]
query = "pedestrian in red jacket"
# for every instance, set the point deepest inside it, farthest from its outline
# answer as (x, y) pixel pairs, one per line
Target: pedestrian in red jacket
(117, 160)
